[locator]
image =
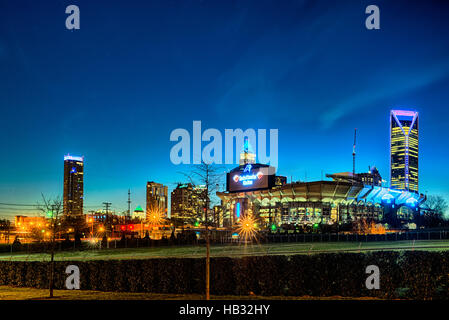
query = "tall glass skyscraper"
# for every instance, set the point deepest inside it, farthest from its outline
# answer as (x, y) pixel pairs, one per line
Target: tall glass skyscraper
(73, 185)
(404, 134)
(157, 197)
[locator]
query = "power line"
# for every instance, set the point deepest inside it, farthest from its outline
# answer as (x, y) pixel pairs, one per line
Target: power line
(37, 204)
(18, 204)
(19, 209)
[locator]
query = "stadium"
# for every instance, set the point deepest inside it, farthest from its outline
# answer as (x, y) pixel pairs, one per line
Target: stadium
(346, 198)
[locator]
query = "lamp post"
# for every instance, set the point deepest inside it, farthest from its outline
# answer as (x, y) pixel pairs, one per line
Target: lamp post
(91, 221)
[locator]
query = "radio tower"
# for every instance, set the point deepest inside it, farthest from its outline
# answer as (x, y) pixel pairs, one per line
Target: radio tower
(353, 154)
(129, 204)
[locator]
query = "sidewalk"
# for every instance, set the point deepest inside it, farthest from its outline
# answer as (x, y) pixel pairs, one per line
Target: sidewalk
(13, 293)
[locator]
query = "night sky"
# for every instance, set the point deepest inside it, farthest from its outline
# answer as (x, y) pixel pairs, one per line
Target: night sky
(136, 70)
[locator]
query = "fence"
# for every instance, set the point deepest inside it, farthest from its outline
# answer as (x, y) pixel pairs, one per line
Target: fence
(335, 237)
(222, 238)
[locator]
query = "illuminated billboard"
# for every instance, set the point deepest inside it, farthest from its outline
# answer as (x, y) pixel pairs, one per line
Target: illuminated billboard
(250, 177)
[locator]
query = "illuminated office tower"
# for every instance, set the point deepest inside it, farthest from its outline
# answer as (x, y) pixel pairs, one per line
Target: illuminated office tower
(187, 203)
(73, 185)
(157, 198)
(404, 129)
(248, 155)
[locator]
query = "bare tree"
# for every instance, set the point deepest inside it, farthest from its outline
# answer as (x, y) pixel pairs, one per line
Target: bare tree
(435, 208)
(52, 209)
(437, 204)
(208, 177)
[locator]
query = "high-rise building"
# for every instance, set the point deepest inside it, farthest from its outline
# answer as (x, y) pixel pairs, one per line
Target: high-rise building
(73, 185)
(404, 133)
(248, 155)
(157, 197)
(187, 203)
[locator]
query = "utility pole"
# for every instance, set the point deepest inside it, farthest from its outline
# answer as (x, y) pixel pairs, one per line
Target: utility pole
(108, 219)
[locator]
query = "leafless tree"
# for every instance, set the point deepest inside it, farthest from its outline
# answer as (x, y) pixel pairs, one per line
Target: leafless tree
(208, 177)
(435, 212)
(437, 204)
(52, 209)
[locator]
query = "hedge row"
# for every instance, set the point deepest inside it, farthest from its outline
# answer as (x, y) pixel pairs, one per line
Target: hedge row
(415, 275)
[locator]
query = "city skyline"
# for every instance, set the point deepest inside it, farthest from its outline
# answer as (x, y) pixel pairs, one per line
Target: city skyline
(74, 166)
(115, 100)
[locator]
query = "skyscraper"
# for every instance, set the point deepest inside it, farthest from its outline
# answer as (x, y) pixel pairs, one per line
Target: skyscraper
(187, 203)
(73, 185)
(157, 197)
(248, 155)
(404, 133)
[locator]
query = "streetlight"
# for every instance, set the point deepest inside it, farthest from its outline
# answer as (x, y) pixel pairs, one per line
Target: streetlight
(91, 221)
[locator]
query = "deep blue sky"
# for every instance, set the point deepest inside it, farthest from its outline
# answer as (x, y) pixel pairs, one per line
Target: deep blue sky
(115, 89)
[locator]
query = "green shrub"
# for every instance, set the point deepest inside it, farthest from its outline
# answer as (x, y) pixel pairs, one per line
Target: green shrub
(414, 275)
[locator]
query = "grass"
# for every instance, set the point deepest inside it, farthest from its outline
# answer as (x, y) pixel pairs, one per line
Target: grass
(232, 250)
(14, 293)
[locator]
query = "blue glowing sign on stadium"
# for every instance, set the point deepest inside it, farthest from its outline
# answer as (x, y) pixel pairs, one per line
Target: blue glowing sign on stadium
(237, 210)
